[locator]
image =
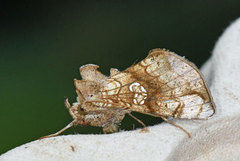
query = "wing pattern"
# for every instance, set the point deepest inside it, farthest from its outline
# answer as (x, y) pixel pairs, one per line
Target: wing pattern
(163, 84)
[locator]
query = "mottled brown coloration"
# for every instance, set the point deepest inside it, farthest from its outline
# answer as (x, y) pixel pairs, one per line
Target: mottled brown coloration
(162, 85)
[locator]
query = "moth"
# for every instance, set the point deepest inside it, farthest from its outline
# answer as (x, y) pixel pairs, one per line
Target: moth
(162, 85)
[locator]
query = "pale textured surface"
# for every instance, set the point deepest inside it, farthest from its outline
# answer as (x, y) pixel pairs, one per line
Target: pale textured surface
(214, 139)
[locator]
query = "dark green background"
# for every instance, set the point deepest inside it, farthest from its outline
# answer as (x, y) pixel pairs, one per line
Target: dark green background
(43, 44)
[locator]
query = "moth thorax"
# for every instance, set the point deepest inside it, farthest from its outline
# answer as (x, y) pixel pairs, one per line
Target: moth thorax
(89, 89)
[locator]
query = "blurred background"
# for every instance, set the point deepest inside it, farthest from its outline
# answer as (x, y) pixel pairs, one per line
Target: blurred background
(43, 44)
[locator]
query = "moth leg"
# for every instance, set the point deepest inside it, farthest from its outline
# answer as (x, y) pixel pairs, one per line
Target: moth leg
(137, 119)
(145, 129)
(73, 123)
(110, 128)
(172, 123)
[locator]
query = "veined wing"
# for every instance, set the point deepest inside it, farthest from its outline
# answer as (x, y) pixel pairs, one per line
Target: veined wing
(163, 84)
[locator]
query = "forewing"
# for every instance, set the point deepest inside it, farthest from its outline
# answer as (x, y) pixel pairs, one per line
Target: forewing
(163, 84)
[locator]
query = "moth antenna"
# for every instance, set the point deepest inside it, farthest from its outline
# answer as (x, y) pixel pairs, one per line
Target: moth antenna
(60, 131)
(172, 123)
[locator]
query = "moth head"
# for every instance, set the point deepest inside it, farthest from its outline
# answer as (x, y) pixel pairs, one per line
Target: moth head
(109, 119)
(84, 117)
(78, 114)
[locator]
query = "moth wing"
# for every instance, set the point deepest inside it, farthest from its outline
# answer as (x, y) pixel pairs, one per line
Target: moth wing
(165, 84)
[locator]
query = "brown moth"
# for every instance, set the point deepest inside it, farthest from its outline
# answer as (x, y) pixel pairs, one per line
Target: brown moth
(162, 85)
